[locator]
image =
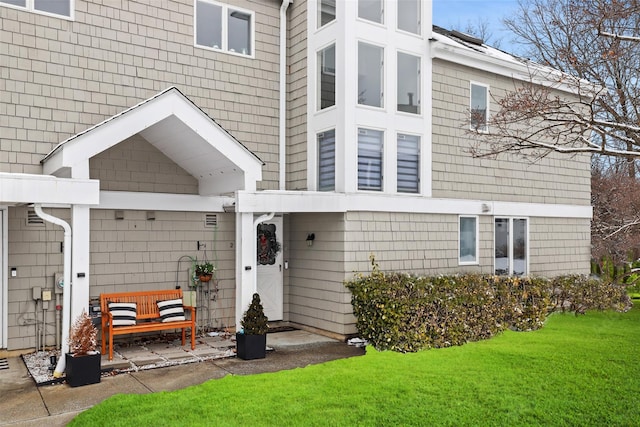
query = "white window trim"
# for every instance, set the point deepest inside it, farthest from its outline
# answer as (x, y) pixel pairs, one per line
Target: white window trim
(30, 7)
(528, 257)
(318, 64)
(384, 158)
(420, 83)
(421, 26)
(318, 11)
(486, 120)
(421, 137)
(383, 83)
(317, 148)
(383, 14)
(477, 250)
(225, 29)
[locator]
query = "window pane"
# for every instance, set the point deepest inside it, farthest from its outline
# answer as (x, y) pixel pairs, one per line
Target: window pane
(327, 77)
(371, 10)
(408, 83)
(370, 159)
(59, 7)
(409, 16)
(502, 246)
(239, 32)
(326, 12)
(22, 3)
(209, 25)
(408, 169)
(370, 74)
(468, 240)
(327, 161)
(519, 247)
(478, 107)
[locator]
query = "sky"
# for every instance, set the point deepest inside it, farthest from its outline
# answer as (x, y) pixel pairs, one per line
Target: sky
(457, 13)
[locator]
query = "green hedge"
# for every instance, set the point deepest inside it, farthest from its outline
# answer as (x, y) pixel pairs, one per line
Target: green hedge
(406, 313)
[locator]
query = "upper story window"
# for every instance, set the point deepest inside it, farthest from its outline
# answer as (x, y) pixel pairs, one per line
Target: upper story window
(408, 163)
(327, 77)
(479, 107)
(326, 12)
(54, 7)
(370, 144)
(223, 27)
(327, 160)
(408, 83)
(370, 74)
(409, 13)
(371, 10)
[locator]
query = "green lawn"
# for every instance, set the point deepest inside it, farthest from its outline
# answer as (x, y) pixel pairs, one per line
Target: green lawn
(576, 371)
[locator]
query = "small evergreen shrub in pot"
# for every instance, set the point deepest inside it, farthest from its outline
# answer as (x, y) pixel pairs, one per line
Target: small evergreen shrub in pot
(83, 361)
(251, 340)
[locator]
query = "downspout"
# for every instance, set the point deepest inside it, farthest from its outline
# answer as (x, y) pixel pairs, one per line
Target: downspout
(66, 292)
(283, 95)
(260, 219)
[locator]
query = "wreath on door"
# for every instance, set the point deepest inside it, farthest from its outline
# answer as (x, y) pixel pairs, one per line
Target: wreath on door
(268, 246)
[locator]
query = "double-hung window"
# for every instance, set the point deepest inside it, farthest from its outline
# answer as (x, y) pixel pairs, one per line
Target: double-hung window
(479, 107)
(370, 74)
(219, 26)
(327, 77)
(370, 144)
(408, 163)
(371, 10)
(511, 246)
(468, 240)
(408, 92)
(409, 13)
(326, 12)
(327, 160)
(54, 7)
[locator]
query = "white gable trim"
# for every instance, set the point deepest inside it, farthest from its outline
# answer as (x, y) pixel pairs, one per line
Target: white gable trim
(27, 188)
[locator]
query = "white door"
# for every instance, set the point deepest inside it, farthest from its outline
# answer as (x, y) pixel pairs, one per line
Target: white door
(269, 255)
(3, 284)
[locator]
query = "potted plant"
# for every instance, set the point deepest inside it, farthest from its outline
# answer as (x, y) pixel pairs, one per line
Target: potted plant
(83, 361)
(204, 271)
(251, 340)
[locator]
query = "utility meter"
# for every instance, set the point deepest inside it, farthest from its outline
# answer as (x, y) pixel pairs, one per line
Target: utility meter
(58, 285)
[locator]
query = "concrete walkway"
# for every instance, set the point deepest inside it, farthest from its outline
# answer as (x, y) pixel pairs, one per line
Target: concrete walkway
(23, 403)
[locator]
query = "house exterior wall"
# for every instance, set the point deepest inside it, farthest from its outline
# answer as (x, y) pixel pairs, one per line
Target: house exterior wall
(556, 178)
(297, 62)
(136, 165)
(60, 77)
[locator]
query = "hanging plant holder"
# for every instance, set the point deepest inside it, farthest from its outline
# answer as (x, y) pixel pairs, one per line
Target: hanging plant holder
(205, 277)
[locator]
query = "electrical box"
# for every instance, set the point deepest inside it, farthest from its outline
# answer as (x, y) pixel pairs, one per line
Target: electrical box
(46, 295)
(36, 292)
(58, 283)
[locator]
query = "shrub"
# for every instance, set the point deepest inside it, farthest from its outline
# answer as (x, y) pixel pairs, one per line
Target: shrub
(403, 312)
(253, 321)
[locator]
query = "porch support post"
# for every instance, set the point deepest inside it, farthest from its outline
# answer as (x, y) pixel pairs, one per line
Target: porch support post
(245, 263)
(80, 260)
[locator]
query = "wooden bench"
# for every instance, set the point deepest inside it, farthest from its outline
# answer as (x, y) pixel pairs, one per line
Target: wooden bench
(147, 315)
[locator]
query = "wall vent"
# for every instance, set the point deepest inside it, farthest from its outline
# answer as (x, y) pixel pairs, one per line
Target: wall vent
(33, 219)
(211, 221)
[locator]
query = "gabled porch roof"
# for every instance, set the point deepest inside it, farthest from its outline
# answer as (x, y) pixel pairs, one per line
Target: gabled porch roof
(180, 130)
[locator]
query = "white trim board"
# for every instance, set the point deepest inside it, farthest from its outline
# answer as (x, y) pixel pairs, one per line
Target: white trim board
(308, 201)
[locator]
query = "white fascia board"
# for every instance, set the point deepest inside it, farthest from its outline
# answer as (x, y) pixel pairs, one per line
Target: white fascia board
(161, 202)
(307, 201)
(30, 188)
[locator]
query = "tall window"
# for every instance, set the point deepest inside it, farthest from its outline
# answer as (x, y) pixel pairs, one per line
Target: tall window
(371, 10)
(220, 26)
(409, 13)
(327, 77)
(408, 83)
(479, 107)
(468, 242)
(408, 166)
(327, 160)
(370, 74)
(326, 12)
(511, 246)
(370, 159)
(55, 7)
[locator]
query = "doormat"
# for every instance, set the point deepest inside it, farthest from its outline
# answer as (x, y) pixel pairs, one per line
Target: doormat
(273, 330)
(4, 364)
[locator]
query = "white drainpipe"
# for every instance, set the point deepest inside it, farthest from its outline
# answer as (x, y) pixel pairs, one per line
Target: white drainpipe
(283, 94)
(66, 292)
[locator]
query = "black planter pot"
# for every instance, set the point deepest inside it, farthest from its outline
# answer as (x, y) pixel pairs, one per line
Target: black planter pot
(250, 347)
(82, 370)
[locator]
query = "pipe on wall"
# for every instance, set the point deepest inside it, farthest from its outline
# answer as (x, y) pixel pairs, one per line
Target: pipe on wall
(66, 293)
(282, 116)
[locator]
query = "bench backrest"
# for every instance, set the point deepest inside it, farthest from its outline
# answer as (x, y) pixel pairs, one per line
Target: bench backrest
(147, 307)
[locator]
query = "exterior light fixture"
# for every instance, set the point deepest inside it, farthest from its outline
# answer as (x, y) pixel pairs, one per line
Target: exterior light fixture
(310, 238)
